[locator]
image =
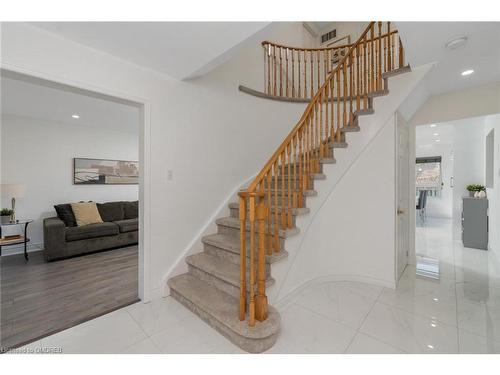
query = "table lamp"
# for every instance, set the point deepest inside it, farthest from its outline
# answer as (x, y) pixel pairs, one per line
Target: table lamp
(13, 191)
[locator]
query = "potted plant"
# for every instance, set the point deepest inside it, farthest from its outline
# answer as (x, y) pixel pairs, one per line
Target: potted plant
(6, 215)
(475, 190)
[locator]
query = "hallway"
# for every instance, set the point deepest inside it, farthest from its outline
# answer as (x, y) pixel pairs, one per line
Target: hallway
(460, 313)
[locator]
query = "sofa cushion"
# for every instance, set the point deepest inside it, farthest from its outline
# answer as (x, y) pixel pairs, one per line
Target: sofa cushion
(91, 231)
(65, 213)
(131, 210)
(111, 211)
(128, 225)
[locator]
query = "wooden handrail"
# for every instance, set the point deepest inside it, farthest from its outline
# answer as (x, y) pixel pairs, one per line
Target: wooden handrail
(268, 204)
(266, 42)
(285, 76)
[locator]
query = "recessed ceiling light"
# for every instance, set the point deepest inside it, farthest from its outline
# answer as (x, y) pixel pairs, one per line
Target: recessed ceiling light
(75, 116)
(432, 125)
(436, 134)
(433, 325)
(430, 346)
(467, 72)
(456, 43)
(437, 140)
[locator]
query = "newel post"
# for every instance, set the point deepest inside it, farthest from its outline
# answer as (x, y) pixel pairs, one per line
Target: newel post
(261, 298)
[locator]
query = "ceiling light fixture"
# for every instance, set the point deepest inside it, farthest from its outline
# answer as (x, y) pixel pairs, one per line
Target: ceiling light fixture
(75, 116)
(456, 43)
(467, 72)
(436, 134)
(430, 346)
(437, 140)
(432, 125)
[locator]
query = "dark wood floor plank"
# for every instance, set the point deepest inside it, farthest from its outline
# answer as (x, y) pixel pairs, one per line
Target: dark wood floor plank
(39, 298)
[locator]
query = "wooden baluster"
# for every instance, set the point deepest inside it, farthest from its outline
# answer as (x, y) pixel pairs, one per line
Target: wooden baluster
(365, 74)
(385, 53)
(274, 68)
(326, 53)
(306, 154)
(393, 49)
(265, 68)
(281, 71)
(300, 202)
(283, 185)
(358, 82)
(320, 128)
(338, 105)
(269, 69)
(372, 62)
(324, 134)
(389, 52)
(332, 94)
(251, 214)
(401, 54)
(317, 124)
(295, 181)
(243, 257)
(270, 244)
(286, 72)
(261, 299)
(277, 243)
(288, 150)
(344, 93)
(305, 74)
(312, 74)
(319, 68)
(299, 74)
(379, 56)
(293, 73)
(351, 83)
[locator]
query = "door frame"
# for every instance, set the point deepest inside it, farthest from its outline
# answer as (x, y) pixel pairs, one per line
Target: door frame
(144, 253)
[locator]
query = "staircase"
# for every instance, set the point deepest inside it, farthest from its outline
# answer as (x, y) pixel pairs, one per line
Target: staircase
(226, 283)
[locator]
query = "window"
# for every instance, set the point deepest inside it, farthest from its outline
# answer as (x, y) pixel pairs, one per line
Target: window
(428, 175)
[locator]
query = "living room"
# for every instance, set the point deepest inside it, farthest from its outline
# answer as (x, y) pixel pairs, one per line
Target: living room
(69, 199)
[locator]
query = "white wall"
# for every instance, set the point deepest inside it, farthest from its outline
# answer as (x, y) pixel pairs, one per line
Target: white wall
(362, 202)
(209, 135)
(476, 101)
(469, 160)
(39, 154)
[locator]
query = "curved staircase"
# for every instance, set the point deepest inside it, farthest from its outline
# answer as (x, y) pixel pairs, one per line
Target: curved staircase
(226, 283)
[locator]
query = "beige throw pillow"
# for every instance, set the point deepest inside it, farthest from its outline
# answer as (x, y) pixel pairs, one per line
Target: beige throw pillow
(86, 213)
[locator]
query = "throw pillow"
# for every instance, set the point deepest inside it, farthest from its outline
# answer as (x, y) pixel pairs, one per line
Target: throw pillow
(65, 213)
(131, 210)
(111, 211)
(86, 213)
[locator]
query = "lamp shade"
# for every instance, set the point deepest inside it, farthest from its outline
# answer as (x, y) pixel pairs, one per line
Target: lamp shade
(13, 190)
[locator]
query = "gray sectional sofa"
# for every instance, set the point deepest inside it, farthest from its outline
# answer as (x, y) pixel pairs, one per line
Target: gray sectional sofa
(63, 238)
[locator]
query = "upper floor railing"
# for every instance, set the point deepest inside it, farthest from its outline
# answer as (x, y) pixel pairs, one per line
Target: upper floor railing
(268, 205)
(294, 72)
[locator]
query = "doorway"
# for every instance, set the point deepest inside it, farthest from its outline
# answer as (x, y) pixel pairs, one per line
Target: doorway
(114, 276)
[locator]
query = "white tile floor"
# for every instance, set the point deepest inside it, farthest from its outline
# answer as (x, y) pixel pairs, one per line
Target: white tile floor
(460, 313)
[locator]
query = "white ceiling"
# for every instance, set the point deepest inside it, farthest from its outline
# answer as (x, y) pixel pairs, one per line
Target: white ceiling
(178, 49)
(425, 138)
(425, 43)
(22, 97)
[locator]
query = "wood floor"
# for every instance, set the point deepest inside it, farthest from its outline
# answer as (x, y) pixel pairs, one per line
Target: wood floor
(39, 298)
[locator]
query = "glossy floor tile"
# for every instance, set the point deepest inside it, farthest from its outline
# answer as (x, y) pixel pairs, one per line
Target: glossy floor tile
(457, 313)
